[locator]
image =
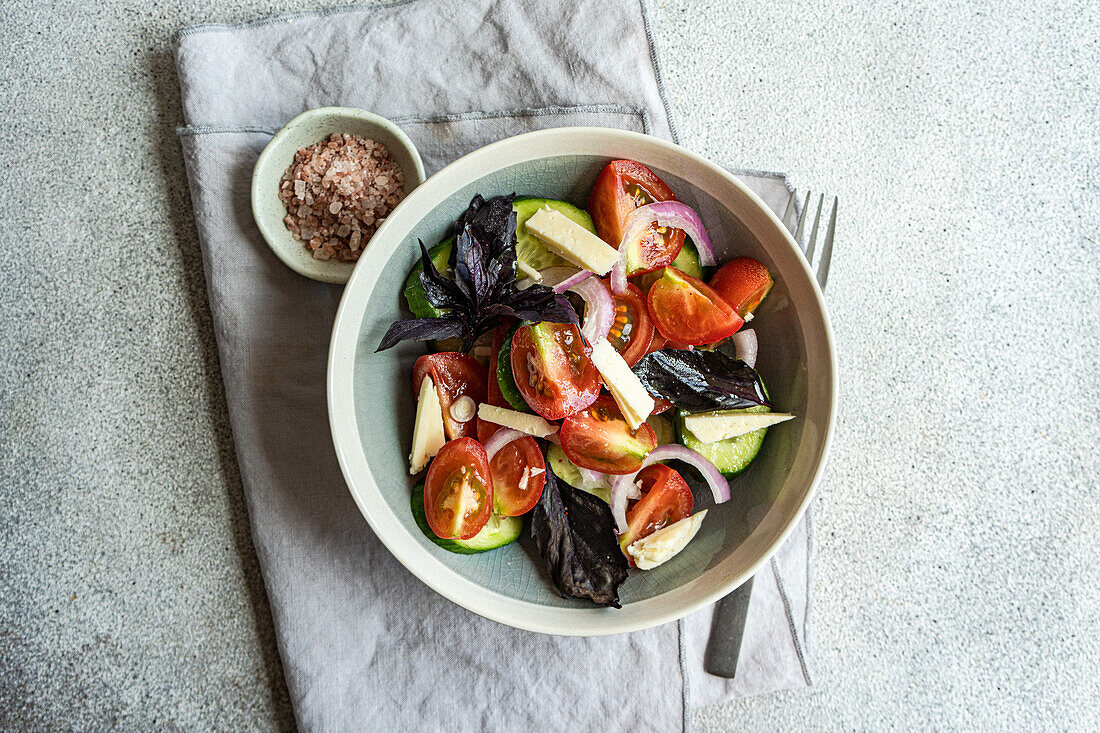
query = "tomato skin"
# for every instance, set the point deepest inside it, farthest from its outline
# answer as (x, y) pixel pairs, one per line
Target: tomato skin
(493, 396)
(621, 187)
(552, 369)
(687, 310)
(743, 282)
(666, 499)
(507, 468)
(454, 375)
(632, 330)
(458, 481)
(600, 439)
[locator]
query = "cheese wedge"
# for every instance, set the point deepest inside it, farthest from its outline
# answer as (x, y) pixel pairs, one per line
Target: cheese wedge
(662, 545)
(521, 421)
(633, 399)
(428, 435)
(710, 427)
(570, 241)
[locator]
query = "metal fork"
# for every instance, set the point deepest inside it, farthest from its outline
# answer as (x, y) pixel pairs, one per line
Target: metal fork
(728, 627)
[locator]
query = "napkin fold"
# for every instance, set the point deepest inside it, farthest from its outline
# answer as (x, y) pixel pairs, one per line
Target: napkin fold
(363, 641)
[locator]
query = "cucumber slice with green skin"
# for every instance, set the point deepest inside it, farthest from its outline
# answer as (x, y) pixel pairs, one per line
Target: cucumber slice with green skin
(731, 456)
(568, 472)
(498, 532)
(505, 379)
(414, 291)
(688, 260)
(529, 250)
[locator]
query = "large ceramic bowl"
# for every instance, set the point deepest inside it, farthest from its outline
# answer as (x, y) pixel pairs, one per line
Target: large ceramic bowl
(372, 406)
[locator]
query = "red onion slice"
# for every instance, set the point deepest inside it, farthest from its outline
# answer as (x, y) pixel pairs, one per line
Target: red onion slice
(672, 214)
(499, 439)
(576, 278)
(599, 312)
(618, 275)
(620, 489)
(745, 346)
(681, 216)
(553, 276)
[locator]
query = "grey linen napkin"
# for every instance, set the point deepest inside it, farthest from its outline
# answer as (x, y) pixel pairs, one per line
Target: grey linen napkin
(364, 643)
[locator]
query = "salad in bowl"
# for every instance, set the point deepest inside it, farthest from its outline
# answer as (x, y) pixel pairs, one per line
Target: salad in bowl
(565, 413)
(582, 382)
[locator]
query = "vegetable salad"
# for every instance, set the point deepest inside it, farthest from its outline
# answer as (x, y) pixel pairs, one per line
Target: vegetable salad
(575, 354)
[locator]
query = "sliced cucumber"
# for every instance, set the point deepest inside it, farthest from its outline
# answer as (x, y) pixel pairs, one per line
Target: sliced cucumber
(505, 379)
(688, 260)
(414, 291)
(568, 472)
(529, 250)
(498, 532)
(730, 456)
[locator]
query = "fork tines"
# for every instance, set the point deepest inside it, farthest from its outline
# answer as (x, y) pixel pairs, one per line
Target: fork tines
(796, 223)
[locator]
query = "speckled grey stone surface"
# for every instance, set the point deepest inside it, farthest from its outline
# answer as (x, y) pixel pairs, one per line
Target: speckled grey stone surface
(957, 582)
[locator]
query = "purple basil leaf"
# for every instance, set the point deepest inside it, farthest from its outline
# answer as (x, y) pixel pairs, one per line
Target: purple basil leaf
(492, 223)
(471, 274)
(422, 329)
(575, 535)
(440, 290)
(698, 381)
(536, 303)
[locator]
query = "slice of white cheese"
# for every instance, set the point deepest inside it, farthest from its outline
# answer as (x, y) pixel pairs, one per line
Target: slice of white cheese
(521, 421)
(569, 240)
(624, 385)
(428, 435)
(710, 427)
(651, 551)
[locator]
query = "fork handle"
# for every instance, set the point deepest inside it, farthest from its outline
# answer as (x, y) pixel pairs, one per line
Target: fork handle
(726, 632)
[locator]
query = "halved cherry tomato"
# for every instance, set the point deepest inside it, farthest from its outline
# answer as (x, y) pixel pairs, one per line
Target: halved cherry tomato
(660, 342)
(600, 439)
(519, 475)
(493, 396)
(666, 499)
(743, 282)
(685, 309)
(455, 376)
(622, 186)
(458, 491)
(632, 330)
(552, 370)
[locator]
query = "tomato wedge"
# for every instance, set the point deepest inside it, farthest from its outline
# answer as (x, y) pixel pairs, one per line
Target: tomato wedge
(622, 186)
(519, 475)
(493, 396)
(455, 376)
(632, 330)
(666, 499)
(687, 310)
(458, 491)
(552, 370)
(743, 282)
(600, 439)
